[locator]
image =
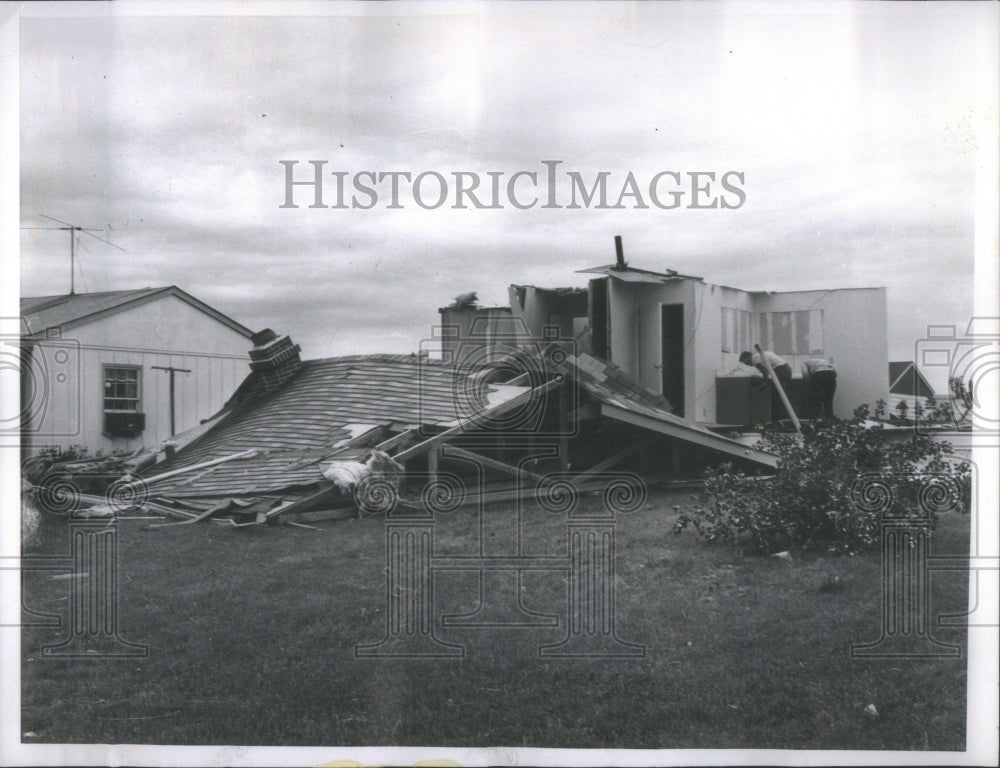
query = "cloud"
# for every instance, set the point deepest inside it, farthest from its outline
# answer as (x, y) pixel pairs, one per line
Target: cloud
(851, 127)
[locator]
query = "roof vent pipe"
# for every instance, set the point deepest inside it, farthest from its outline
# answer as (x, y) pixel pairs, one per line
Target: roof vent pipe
(619, 253)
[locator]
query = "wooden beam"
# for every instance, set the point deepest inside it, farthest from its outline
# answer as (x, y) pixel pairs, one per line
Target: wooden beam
(454, 450)
(318, 515)
(207, 513)
(777, 386)
(609, 462)
(193, 467)
(467, 424)
(396, 441)
(690, 434)
(326, 492)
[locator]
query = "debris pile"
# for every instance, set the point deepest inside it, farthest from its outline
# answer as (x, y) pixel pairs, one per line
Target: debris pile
(63, 482)
(338, 437)
(348, 475)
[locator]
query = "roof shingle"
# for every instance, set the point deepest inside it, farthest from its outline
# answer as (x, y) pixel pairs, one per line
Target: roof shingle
(300, 425)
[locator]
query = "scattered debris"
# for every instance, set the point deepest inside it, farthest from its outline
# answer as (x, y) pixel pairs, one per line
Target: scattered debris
(99, 510)
(464, 300)
(303, 441)
(351, 476)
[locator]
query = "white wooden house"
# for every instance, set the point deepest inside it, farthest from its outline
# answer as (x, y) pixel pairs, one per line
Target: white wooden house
(120, 370)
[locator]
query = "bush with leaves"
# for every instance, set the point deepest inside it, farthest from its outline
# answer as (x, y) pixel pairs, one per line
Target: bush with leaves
(812, 501)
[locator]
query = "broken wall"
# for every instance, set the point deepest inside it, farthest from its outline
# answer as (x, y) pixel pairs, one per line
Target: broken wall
(564, 309)
(853, 334)
(846, 325)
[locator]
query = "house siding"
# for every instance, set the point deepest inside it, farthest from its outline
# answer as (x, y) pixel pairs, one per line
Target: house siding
(164, 332)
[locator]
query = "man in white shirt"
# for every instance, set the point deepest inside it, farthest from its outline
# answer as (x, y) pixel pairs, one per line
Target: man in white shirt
(782, 371)
(821, 380)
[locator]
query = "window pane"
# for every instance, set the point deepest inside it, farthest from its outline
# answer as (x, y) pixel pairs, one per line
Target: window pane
(802, 332)
(781, 333)
(121, 389)
(816, 330)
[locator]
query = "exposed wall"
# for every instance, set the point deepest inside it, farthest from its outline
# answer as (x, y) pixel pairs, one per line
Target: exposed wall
(855, 338)
(69, 408)
(541, 309)
(636, 333)
(475, 333)
(854, 335)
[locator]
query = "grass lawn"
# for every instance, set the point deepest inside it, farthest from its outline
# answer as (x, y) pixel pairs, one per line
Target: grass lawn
(251, 636)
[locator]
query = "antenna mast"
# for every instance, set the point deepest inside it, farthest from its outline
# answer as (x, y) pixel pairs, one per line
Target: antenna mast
(73, 229)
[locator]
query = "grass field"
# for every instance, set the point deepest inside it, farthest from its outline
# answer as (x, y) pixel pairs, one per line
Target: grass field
(251, 637)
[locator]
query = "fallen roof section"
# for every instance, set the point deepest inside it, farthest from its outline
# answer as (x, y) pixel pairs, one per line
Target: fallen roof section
(269, 453)
(625, 400)
(324, 411)
(667, 424)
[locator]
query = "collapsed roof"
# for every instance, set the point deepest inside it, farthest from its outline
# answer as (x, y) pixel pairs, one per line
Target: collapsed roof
(329, 408)
(266, 453)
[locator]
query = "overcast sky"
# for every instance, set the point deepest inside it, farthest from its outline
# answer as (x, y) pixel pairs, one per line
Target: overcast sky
(854, 126)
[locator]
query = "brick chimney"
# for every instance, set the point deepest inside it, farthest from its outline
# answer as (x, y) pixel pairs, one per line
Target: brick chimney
(274, 358)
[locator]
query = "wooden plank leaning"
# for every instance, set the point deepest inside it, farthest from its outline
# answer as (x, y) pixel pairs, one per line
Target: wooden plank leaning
(467, 424)
(781, 391)
(174, 472)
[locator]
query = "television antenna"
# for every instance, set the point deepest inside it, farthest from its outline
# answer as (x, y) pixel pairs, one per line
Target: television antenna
(73, 229)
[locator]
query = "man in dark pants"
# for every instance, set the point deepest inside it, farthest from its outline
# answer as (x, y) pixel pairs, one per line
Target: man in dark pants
(782, 371)
(821, 380)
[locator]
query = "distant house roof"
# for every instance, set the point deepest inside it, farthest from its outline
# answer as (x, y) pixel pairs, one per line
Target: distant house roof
(634, 275)
(906, 379)
(310, 418)
(40, 313)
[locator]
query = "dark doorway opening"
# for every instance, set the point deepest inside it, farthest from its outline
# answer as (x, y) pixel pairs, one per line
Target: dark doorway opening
(672, 354)
(598, 309)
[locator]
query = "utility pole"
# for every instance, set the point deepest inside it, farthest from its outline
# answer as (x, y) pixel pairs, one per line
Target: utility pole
(171, 370)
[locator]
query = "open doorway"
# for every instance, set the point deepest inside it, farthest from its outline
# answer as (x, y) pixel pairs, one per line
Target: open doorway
(672, 354)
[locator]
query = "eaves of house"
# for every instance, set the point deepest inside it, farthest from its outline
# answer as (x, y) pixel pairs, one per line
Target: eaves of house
(42, 313)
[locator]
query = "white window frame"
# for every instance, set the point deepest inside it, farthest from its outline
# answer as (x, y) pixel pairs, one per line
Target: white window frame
(106, 369)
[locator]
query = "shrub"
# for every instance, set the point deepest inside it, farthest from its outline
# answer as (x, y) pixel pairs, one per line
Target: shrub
(831, 488)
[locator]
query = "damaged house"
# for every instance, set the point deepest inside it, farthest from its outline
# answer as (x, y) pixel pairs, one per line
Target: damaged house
(299, 438)
(680, 337)
(638, 371)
